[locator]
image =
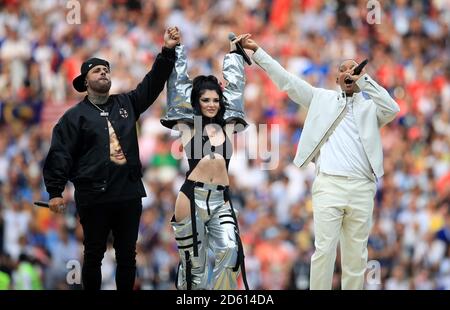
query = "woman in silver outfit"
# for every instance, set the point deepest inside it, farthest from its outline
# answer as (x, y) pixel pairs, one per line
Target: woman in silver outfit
(207, 117)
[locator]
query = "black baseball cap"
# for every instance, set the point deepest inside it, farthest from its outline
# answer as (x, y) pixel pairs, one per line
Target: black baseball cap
(78, 82)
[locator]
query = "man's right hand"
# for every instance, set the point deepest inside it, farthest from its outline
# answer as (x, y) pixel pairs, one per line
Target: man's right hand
(57, 205)
(248, 43)
(172, 37)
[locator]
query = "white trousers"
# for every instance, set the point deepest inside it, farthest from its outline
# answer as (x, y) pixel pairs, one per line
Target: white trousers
(342, 210)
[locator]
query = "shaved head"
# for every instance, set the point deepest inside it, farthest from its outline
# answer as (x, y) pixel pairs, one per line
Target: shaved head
(343, 76)
(347, 63)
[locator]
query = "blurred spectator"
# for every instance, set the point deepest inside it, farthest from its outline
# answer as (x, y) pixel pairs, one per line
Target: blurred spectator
(27, 275)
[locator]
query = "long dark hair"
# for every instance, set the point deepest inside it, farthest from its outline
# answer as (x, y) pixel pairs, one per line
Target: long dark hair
(201, 84)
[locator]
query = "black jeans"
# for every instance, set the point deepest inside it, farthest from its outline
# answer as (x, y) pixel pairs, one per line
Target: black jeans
(98, 220)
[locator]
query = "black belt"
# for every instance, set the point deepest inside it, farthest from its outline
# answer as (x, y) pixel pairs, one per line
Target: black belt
(208, 186)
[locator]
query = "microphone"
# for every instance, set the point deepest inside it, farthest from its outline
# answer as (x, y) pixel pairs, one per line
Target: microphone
(359, 68)
(41, 204)
(239, 48)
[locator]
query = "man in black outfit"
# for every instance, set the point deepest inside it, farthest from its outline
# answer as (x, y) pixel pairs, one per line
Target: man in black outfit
(95, 146)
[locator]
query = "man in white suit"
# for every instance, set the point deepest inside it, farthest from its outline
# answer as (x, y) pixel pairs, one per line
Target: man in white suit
(341, 135)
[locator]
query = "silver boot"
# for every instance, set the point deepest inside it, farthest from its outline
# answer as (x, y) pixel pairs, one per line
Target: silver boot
(222, 236)
(223, 239)
(191, 266)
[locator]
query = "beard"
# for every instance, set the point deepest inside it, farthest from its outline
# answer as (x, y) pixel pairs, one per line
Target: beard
(100, 86)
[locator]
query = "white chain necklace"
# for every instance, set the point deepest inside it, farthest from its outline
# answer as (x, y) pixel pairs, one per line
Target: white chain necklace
(102, 112)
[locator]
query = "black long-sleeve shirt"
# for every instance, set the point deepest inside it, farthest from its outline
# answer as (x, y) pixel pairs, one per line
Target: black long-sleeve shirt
(80, 147)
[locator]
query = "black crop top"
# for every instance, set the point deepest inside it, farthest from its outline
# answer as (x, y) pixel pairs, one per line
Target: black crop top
(194, 154)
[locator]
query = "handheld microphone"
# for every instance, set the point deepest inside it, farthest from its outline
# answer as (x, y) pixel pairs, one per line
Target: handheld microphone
(359, 68)
(41, 204)
(240, 49)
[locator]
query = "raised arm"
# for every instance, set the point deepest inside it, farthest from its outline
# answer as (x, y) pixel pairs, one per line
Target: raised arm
(297, 89)
(233, 73)
(179, 83)
(153, 83)
(179, 88)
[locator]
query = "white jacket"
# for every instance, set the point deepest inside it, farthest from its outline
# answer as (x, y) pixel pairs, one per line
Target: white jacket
(372, 109)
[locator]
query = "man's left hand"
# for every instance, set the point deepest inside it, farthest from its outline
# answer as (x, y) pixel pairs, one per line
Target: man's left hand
(238, 39)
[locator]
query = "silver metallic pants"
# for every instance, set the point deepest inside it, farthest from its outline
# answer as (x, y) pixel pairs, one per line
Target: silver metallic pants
(216, 230)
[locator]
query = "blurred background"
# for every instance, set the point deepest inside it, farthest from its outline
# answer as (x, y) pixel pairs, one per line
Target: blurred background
(41, 51)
